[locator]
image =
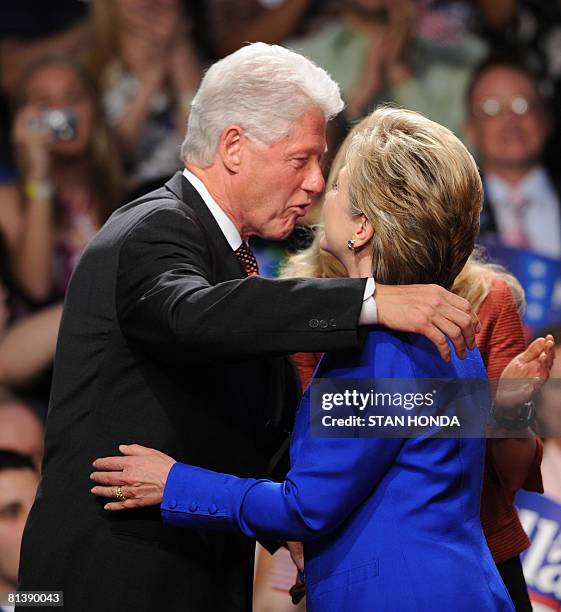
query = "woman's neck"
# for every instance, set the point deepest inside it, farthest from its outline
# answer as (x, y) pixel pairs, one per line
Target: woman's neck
(359, 264)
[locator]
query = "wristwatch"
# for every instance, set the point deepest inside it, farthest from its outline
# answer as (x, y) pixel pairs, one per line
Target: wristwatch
(526, 415)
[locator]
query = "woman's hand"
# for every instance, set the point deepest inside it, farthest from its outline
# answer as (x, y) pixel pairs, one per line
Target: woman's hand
(33, 143)
(138, 477)
(526, 373)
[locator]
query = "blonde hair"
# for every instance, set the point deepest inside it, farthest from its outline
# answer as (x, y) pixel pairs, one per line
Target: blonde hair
(475, 281)
(420, 189)
(476, 277)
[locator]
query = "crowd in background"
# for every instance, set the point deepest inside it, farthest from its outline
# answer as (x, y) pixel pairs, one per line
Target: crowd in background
(94, 102)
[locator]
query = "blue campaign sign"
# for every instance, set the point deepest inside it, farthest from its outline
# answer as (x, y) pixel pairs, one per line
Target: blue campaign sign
(541, 519)
(541, 278)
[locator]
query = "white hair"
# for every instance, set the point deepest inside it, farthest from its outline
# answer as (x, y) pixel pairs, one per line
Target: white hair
(262, 88)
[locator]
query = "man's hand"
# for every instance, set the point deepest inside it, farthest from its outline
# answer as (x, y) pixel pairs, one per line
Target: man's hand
(431, 311)
(139, 476)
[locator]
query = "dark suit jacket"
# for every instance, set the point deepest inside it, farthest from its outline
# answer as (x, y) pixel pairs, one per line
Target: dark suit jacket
(164, 341)
(488, 222)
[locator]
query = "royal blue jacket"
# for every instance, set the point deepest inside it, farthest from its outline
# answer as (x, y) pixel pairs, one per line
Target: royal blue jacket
(388, 524)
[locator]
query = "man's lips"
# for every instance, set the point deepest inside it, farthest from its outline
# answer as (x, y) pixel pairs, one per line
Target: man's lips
(302, 209)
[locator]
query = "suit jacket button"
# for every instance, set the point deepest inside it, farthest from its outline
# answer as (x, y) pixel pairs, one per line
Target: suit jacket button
(313, 323)
(172, 504)
(332, 323)
(323, 323)
(213, 509)
(193, 507)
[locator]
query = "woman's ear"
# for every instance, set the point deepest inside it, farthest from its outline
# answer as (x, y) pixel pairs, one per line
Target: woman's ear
(363, 233)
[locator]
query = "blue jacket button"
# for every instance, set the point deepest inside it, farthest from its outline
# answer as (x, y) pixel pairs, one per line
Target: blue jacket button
(172, 504)
(213, 509)
(313, 323)
(193, 507)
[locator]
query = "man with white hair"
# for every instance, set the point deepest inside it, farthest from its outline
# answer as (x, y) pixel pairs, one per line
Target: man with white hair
(171, 339)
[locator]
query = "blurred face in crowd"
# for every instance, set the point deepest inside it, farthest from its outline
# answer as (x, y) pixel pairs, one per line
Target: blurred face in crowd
(276, 183)
(57, 86)
(21, 431)
(508, 125)
(17, 492)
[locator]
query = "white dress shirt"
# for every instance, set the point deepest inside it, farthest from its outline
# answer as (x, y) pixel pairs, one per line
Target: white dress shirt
(369, 312)
(541, 219)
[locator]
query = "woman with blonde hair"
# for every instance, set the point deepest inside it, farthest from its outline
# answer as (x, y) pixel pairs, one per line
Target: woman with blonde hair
(387, 523)
(510, 463)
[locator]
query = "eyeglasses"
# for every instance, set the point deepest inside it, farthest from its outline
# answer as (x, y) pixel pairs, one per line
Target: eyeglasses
(493, 108)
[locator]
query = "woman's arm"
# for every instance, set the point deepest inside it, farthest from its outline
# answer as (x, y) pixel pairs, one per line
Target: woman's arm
(28, 346)
(330, 479)
(32, 255)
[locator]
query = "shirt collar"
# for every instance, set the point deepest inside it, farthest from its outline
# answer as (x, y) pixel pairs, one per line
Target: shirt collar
(535, 182)
(225, 224)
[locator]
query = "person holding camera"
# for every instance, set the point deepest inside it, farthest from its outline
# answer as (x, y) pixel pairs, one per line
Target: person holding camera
(70, 178)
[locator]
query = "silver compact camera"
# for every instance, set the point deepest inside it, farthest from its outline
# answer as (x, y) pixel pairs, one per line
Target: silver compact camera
(61, 123)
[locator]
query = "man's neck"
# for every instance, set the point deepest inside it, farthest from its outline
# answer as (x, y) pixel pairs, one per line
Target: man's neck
(220, 191)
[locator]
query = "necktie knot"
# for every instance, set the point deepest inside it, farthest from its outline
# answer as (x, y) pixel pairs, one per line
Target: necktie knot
(247, 259)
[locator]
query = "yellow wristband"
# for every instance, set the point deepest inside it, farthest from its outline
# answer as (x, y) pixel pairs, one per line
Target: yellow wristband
(38, 190)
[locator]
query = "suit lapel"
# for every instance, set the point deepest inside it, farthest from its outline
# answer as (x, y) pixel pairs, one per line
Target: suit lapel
(227, 264)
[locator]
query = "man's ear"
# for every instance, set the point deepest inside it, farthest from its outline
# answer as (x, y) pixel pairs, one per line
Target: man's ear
(230, 147)
(363, 233)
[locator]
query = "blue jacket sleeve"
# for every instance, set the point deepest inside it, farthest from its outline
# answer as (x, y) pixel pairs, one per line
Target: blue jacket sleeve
(330, 479)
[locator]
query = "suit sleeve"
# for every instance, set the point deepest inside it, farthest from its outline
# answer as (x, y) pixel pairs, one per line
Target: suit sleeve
(166, 300)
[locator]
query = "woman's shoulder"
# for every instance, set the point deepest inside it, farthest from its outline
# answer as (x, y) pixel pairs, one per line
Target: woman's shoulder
(400, 354)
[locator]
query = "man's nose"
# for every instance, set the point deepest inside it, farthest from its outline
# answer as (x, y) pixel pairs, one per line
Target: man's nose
(314, 182)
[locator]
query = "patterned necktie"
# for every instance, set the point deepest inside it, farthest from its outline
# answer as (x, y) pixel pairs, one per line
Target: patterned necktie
(516, 234)
(247, 259)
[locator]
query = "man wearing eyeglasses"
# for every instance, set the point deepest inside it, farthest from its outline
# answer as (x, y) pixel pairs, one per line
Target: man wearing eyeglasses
(509, 125)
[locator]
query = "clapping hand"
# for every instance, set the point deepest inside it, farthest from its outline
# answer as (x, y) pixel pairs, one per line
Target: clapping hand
(525, 374)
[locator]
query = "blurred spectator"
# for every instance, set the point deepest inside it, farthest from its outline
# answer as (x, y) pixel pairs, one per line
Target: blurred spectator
(27, 347)
(508, 125)
(70, 178)
(450, 21)
(372, 53)
(232, 23)
(18, 484)
(534, 32)
(149, 72)
(21, 429)
(28, 31)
